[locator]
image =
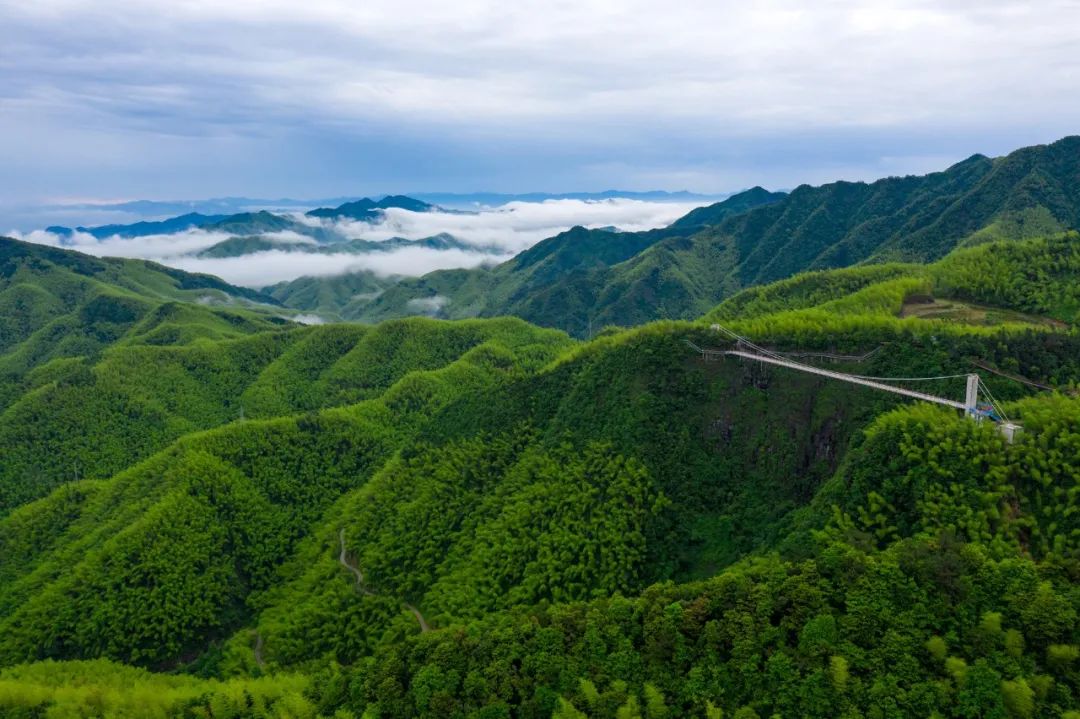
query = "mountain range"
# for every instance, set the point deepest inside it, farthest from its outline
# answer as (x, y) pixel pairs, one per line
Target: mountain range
(234, 205)
(254, 222)
(181, 223)
(209, 510)
(240, 246)
(582, 280)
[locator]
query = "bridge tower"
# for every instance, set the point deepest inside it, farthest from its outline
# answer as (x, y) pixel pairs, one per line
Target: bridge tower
(971, 397)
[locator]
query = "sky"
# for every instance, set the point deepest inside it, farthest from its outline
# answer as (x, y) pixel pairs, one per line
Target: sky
(125, 99)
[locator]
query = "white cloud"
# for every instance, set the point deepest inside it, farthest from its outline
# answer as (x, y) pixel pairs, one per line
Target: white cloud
(307, 319)
(426, 305)
(516, 226)
(200, 92)
(288, 237)
(151, 247)
(510, 228)
(267, 268)
(479, 63)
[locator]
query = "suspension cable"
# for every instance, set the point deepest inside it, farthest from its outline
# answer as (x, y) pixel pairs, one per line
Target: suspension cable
(993, 401)
(774, 355)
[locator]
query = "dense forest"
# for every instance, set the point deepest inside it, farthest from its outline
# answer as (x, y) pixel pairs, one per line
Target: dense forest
(207, 510)
(582, 280)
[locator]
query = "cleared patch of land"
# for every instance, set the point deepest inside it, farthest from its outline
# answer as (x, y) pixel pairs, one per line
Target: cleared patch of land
(931, 308)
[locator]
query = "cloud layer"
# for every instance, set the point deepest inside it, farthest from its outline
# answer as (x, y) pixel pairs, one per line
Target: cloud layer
(266, 268)
(516, 226)
(198, 98)
(497, 233)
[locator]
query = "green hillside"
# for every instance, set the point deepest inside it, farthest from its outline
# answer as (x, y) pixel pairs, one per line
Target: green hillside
(335, 296)
(57, 303)
(740, 202)
(583, 280)
(556, 276)
(482, 518)
(1040, 277)
(103, 363)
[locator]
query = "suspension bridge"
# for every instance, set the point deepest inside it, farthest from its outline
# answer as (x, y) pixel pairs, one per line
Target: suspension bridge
(978, 404)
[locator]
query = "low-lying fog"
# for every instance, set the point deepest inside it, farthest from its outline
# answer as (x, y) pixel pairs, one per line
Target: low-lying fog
(497, 234)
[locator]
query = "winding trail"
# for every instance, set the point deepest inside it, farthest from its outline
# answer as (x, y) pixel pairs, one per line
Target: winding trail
(258, 651)
(361, 587)
(419, 617)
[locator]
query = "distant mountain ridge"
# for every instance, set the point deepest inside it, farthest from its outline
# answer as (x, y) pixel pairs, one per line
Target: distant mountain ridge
(584, 279)
(492, 199)
(181, 223)
(755, 237)
(366, 209)
(251, 222)
(246, 245)
(523, 285)
(233, 205)
(190, 214)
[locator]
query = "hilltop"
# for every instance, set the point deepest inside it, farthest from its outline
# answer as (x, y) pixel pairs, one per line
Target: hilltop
(366, 209)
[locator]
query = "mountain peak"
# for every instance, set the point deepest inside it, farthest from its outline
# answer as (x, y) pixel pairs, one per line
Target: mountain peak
(739, 202)
(366, 209)
(405, 203)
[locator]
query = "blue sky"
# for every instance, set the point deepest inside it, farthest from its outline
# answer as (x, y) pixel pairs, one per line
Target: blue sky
(111, 99)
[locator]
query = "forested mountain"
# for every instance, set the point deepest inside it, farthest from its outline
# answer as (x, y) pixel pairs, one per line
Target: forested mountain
(554, 279)
(330, 296)
(483, 518)
(758, 237)
(262, 222)
(715, 213)
(64, 318)
(367, 209)
(56, 302)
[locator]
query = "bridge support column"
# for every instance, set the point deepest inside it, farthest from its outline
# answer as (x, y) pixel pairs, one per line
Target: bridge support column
(971, 398)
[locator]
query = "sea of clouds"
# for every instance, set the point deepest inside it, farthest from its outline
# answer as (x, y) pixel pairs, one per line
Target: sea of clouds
(497, 233)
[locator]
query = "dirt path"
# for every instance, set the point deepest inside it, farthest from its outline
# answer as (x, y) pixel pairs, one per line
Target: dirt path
(361, 587)
(419, 617)
(258, 651)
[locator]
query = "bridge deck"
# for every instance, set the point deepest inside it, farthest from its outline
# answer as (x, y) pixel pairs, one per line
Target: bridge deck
(848, 378)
